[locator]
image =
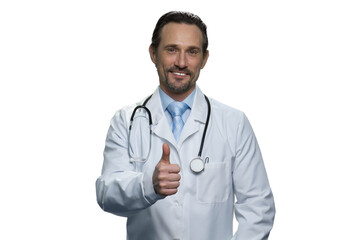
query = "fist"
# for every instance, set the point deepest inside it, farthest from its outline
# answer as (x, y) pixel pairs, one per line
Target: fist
(166, 177)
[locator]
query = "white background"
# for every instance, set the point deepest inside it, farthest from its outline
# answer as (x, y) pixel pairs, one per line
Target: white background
(67, 66)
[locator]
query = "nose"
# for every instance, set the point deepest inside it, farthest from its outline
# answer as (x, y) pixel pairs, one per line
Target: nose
(181, 60)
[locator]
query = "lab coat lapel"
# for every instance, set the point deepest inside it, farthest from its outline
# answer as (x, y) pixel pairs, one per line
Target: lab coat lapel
(196, 118)
(161, 126)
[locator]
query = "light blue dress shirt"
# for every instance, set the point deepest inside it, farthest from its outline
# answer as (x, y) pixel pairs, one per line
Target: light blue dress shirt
(166, 100)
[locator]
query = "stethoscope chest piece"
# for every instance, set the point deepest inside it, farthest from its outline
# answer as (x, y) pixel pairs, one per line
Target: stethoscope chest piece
(197, 165)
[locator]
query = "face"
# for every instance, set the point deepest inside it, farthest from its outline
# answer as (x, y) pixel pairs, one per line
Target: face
(179, 58)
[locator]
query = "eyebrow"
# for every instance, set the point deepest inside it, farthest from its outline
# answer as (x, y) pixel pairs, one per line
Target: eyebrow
(176, 46)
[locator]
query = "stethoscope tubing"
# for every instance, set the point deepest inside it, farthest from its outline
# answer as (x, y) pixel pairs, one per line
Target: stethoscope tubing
(143, 106)
(206, 126)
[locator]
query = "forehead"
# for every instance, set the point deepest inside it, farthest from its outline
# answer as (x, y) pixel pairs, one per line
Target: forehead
(181, 34)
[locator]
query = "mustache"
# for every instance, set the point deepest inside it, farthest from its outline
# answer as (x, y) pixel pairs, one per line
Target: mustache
(177, 69)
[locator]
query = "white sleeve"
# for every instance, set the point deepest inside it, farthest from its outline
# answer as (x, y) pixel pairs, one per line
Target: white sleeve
(254, 208)
(120, 189)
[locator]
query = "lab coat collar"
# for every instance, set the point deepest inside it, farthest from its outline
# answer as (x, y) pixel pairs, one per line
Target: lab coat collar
(161, 125)
(196, 118)
(200, 108)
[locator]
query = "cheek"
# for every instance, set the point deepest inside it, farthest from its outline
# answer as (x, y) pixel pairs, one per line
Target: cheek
(167, 60)
(195, 64)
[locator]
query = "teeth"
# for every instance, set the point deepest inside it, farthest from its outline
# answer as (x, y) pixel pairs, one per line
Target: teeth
(180, 74)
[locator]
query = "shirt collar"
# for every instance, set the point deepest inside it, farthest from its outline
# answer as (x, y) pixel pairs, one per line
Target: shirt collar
(166, 100)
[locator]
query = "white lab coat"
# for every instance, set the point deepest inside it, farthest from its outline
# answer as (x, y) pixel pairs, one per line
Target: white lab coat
(203, 207)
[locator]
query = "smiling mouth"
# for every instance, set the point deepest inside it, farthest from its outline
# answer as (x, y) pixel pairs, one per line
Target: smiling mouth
(179, 74)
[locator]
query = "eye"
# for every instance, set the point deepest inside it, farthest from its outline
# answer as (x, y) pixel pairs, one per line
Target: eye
(194, 51)
(171, 50)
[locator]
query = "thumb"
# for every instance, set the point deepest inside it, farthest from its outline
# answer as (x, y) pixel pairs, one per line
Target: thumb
(166, 154)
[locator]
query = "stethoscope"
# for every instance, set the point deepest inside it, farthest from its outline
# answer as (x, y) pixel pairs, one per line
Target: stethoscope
(197, 164)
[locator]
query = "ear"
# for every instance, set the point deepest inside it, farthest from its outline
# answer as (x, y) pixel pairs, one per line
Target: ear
(205, 58)
(152, 54)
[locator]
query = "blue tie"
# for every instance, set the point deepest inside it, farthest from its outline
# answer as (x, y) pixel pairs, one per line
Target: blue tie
(176, 109)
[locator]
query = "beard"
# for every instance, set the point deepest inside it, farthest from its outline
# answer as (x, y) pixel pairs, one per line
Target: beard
(186, 86)
(178, 89)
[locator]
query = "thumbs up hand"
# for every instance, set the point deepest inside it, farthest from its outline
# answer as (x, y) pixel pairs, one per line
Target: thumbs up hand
(166, 177)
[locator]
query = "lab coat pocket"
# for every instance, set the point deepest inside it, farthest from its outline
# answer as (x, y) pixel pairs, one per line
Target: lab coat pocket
(213, 183)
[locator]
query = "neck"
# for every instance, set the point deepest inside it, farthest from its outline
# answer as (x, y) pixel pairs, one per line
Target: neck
(179, 97)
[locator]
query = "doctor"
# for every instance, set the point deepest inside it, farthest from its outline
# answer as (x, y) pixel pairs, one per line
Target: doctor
(165, 198)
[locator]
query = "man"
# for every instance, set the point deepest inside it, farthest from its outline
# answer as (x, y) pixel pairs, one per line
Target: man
(166, 197)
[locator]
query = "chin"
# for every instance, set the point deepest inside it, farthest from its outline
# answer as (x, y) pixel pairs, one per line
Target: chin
(181, 88)
(175, 85)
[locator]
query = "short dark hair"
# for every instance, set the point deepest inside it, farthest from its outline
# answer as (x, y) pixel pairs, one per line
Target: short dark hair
(179, 17)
